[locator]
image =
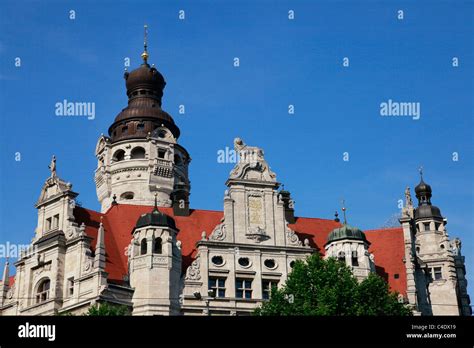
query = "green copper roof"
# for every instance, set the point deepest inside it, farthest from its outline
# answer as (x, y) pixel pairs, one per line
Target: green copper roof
(346, 232)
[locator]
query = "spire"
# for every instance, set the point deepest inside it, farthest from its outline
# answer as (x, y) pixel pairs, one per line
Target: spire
(99, 259)
(145, 45)
(155, 209)
(6, 274)
(344, 211)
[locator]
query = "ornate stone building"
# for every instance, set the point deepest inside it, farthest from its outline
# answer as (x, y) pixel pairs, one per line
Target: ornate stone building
(149, 250)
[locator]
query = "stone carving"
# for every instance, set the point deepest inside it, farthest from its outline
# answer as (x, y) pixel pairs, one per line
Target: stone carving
(255, 211)
(160, 260)
(218, 233)
(193, 272)
(292, 237)
(10, 292)
(257, 233)
(44, 268)
(251, 164)
(87, 266)
(82, 230)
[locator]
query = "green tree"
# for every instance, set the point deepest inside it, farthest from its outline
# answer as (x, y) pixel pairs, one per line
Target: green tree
(328, 287)
(106, 309)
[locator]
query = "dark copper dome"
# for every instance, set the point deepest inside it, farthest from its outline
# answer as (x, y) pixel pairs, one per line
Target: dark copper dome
(145, 78)
(143, 114)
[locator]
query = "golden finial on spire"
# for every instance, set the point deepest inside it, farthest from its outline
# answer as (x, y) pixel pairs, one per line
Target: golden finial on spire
(145, 44)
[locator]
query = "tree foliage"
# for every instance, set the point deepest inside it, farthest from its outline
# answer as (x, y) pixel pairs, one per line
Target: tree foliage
(106, 309)
(328, 287)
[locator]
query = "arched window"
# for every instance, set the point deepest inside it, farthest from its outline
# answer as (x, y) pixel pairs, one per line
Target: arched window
(42, 291)
(137, 152)
(143, 247)
(119, 155)
(157, 249)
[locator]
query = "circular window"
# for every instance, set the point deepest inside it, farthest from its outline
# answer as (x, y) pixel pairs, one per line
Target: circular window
(217, 260)
(244, 262)
(127, 195)
(270, 263)
(292, 263)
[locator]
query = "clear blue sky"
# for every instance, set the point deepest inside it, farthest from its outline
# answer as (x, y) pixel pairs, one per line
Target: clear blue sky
(282, 62)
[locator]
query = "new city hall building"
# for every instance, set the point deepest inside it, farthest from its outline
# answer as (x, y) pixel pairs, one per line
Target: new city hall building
(149, 250)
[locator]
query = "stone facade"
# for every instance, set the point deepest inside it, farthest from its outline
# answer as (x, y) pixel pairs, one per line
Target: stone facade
(157, 262)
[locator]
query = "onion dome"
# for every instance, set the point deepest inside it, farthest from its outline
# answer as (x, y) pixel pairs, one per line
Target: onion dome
(155, 218)
(423, 190)
(346, 232)
(143, 114)
(425, 209)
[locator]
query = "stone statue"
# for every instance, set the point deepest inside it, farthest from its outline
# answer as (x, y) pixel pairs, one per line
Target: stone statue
(409, 202)
(456, 247)
(238, 144)
(52, 167)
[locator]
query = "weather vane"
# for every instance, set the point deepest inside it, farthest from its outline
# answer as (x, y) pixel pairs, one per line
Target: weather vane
(421, 172)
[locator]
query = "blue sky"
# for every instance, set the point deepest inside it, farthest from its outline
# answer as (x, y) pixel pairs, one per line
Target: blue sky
(282, 62)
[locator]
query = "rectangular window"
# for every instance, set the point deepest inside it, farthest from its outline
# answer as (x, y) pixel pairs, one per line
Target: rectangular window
(427, 226)
(48, 224)
(140, 127)
(125, 130)
(56, 221)
(217, 285)
(70, 286)
(437, 274)
(355, 260)
(437, 225)
(161, 153)
(267, 286)
(243, 288)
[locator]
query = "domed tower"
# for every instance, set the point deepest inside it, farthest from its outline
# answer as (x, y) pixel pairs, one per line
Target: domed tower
(141, 155)
(434, 255)
(154, 256)
(350, 245)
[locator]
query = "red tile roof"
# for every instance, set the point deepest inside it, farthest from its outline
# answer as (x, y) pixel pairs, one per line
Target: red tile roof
(119, 221)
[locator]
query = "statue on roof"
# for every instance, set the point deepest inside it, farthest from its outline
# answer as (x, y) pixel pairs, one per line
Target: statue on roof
(52, 166)
(408, 200)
